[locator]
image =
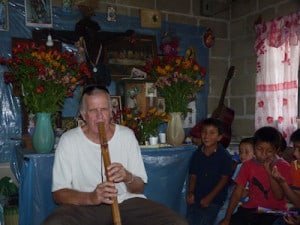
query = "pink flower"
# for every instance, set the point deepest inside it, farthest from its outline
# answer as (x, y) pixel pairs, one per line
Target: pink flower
(270, 119)
(280, 119)
(260, 104)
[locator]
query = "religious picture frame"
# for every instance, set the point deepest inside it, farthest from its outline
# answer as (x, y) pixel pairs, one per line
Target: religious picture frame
(124, 53)
(190, 119)
(151, 90)
(161, 104)
(4, 19)
(116, 105)
(111, 14)
(38, 13)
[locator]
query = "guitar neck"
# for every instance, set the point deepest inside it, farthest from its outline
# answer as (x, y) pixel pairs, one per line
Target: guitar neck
(222, 98)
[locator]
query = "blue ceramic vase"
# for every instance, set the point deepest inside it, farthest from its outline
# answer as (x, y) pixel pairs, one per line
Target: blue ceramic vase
(43, 136)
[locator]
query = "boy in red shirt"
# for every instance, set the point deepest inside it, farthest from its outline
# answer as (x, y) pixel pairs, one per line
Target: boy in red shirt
(264, 190)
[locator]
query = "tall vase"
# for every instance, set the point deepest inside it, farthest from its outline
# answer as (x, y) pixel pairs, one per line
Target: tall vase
(175, 131)
(43, 135)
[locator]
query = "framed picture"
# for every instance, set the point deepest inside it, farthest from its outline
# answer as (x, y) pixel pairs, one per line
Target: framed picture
(116, 105)
(151, 90)
(4, 22)
(190, 119)
(111, 14)
(124, 53)
(38, 13)
(160, 104)
(134, 94)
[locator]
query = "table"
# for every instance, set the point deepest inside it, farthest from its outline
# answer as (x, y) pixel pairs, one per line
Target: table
(167, 170)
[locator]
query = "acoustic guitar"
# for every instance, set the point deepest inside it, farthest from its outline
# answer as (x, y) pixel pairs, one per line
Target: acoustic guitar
(223, 113)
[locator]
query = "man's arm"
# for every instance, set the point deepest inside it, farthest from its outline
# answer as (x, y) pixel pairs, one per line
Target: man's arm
(103, 193)
(134, 183)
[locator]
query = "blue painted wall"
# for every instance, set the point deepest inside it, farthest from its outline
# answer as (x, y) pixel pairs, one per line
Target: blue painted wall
(190, 36)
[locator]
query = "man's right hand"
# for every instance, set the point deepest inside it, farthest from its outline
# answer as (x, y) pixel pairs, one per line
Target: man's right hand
(103, 193)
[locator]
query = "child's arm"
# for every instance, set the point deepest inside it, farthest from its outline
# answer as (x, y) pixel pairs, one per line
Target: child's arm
(275, 186)
(234, 200)
(191, 189)
(290, 194)
(211, 195)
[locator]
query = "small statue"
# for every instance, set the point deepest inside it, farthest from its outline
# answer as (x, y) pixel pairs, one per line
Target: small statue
(90, 45)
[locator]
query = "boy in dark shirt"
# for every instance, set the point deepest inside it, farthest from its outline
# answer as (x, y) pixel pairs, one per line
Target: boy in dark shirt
(210, 169)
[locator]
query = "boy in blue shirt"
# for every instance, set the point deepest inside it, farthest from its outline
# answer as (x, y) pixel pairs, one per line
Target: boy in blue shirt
(210, 169)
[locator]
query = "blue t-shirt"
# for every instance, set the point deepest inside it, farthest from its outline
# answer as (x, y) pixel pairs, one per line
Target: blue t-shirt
(209, 170)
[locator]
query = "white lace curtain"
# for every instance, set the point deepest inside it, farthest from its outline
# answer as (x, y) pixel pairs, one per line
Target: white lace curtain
(277, 47)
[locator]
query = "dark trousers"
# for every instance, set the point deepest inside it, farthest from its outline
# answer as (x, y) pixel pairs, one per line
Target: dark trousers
(245, 216)
(135, 211)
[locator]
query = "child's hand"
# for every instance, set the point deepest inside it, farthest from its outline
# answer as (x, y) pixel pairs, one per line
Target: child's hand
(205, 202)
(245, 193)
(293, 220)
(268, 165)
(277, 176)
(190, 198)
(224, 222)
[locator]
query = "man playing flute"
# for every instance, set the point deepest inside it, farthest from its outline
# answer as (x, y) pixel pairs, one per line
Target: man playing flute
(79, 184)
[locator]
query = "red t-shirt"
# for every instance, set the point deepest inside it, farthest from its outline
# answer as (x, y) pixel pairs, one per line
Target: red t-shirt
(295, 170)
(256, 175)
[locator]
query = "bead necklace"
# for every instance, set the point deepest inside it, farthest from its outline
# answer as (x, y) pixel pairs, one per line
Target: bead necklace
(90, 59)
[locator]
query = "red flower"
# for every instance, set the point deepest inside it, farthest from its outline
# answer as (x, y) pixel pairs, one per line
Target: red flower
(260, 104)
(40, 89)
(280, 119)
(46, 76)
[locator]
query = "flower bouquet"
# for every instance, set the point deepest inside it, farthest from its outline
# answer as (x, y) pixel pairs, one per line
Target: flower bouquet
(46, 77)
(144, 126)
(177, 79)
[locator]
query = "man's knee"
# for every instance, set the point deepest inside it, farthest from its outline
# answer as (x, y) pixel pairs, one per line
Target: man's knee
(61, 216)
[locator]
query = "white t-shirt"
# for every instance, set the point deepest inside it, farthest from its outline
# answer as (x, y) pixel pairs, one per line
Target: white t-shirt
(78, 161)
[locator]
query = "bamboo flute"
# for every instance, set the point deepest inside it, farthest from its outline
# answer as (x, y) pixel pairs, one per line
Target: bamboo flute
(106, 160)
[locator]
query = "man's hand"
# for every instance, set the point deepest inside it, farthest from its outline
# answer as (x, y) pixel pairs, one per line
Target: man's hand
(103, 193)
(117, 173)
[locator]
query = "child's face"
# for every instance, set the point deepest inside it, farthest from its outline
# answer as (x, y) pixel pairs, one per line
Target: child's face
(264, 151)
(246, 151)
(210, 136)
(296, 149)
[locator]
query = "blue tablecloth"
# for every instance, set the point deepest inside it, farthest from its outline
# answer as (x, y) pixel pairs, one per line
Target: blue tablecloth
(167, 170)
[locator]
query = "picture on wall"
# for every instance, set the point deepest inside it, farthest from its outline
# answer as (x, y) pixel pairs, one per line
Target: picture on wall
(190, 119)
(38, 13)
(116, 105)
(4, 22)
(160, 104)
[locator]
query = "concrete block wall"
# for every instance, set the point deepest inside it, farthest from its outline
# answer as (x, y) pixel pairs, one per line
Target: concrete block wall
(241, 94)
(234, 44)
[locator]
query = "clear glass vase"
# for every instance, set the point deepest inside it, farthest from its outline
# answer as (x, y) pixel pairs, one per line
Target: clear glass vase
(175, 131)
